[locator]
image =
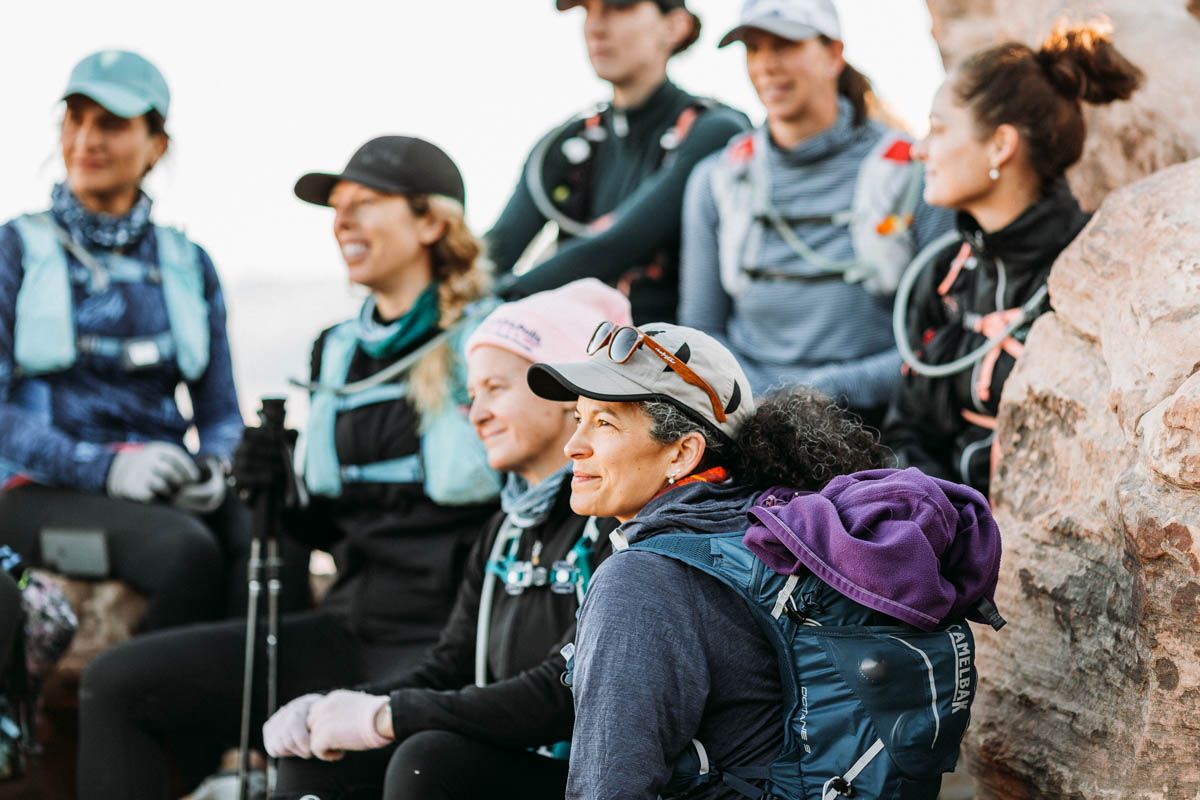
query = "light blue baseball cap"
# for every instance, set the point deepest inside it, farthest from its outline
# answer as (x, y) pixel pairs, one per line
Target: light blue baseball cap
(123, 82)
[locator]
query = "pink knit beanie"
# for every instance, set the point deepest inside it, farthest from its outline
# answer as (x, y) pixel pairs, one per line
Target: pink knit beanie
(554, 325)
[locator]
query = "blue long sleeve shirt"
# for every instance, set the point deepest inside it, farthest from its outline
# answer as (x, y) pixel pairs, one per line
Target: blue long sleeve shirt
(59, 429)
(830, 334)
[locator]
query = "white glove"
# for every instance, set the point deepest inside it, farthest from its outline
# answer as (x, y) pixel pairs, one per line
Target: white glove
(286, 732)
(345, 720)
(154, 470)
(206, 496)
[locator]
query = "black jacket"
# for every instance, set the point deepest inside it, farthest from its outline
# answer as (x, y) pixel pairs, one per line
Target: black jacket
(630, 176)
(925, 425)
(525, 703)
(399, 555)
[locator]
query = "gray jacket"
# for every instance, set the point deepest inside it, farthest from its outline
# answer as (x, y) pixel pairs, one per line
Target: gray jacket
(666, 654)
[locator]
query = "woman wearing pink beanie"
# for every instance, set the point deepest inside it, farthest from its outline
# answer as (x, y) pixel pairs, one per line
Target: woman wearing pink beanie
(485, 713)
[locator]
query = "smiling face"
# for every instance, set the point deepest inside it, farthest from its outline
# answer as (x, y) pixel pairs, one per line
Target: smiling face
(618, 466)
(956, 157)
(380, 237)
(792, 78)
(521, 432)
(106, 156)
(626, 43)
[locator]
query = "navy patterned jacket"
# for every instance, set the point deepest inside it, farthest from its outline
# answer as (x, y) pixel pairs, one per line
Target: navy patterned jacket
(61, 429)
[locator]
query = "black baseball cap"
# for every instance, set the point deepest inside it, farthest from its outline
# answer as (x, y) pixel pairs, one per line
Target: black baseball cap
(665, 5)
(390, 164)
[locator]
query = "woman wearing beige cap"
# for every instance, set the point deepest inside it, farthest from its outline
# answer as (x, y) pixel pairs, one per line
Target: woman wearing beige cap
(670, 440)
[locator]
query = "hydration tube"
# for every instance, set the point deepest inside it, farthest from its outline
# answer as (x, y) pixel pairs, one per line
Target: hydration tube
(508, 532)
(537, 187)
(900, 310)
(403, 365)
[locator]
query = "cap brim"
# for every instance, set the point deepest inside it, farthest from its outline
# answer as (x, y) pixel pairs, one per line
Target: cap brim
(563, 5)
(591, 378)
(315, 186)
(782, 28)
(118, 100)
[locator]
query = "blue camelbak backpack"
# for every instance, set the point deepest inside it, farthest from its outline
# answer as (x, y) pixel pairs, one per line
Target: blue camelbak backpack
(873, 707)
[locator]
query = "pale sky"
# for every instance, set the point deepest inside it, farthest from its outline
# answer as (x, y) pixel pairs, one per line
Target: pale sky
(263, 91)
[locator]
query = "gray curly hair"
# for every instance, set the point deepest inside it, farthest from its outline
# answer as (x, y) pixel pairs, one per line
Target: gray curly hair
(797, 438)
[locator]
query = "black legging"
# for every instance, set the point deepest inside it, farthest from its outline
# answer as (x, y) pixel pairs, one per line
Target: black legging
(179, 691)
(10, 622)
(191, 568)
(431, 765)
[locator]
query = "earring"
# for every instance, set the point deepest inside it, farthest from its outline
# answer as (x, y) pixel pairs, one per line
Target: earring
(671, 478)
(994, 174)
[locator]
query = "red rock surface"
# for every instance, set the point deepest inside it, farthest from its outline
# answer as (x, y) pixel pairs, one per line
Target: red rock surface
(1093, 689)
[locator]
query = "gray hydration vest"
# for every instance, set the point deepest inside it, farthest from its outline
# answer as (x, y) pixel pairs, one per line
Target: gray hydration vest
(885, 195)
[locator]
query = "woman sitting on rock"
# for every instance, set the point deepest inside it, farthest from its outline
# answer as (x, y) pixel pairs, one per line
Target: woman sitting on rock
(1004, 128)
(103, 315)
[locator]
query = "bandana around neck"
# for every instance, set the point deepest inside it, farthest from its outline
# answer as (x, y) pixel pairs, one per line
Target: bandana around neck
(93, 229)
(382, 339)
(528, 506)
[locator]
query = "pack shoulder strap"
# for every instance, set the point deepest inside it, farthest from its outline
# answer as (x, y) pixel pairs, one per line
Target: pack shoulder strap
(44, 330)
(187, 307)
(45, 335)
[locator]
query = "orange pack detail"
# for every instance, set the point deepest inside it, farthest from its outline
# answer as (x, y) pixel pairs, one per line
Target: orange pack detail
(901, 150)
(684, 123)
(743, 151)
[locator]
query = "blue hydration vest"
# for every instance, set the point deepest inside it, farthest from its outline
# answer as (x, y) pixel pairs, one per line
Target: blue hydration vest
(869, 710)
(451, 464)
(44, 337)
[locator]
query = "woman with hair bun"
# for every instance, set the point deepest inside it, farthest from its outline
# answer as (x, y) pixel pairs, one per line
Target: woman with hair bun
(1004, 128)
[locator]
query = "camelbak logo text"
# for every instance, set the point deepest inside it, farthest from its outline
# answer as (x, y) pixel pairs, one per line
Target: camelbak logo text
(804, 718)
(962, 677)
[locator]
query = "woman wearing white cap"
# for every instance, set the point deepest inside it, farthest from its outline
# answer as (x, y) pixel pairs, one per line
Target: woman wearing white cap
(482, 714)
(794, 236)
(103, 314)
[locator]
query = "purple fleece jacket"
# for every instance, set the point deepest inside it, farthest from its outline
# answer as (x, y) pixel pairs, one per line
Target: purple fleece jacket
(917, 548)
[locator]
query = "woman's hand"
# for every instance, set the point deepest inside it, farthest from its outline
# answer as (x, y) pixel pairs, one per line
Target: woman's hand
(286, 732)
(345, 720)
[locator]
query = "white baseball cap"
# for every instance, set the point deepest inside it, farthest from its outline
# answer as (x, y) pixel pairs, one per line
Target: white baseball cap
(790, 19)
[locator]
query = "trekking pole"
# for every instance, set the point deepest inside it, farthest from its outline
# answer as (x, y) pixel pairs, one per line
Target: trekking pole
(266, 532)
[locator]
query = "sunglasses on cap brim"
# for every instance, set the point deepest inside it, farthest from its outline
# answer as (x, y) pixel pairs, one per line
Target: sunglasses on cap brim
(624, 340)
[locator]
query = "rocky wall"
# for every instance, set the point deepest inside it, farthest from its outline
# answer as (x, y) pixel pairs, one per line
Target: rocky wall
(1093, 689)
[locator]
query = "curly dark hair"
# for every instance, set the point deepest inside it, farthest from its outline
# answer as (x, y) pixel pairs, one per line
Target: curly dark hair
(797, 438)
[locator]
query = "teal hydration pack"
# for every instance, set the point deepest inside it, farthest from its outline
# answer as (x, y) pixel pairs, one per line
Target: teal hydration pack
(44, 336)
(872, 707)
(451, 463)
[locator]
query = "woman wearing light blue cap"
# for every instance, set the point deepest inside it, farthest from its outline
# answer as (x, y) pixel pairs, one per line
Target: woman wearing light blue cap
(103, 315)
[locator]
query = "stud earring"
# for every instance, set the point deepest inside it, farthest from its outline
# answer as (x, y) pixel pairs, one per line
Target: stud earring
(994, 174)
(671, 478)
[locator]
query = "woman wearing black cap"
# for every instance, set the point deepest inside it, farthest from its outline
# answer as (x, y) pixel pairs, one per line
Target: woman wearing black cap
(612, 179)
(103, 314)
(399, 487)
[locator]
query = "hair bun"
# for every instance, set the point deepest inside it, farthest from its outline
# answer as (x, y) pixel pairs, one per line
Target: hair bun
(1081, 63)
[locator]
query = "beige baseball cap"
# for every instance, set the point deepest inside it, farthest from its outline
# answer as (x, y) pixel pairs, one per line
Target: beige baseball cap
(647, 376)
